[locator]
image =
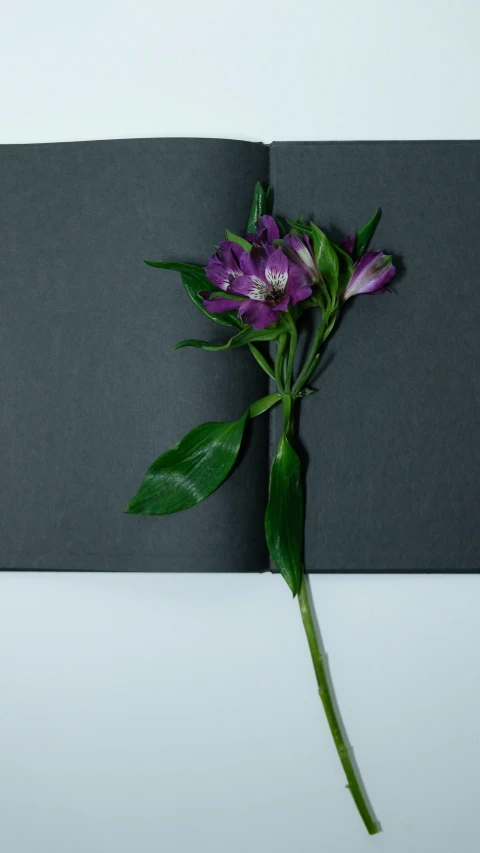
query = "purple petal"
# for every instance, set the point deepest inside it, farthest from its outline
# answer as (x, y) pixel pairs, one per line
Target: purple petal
(276, 271)
(299, 249)
(218, 274)
(254, 262)
(299, 286)
(348, 244)
(251, 286)
(371, 274)
(267, 228)
(224, 265)
(257, 314)
(219, 305)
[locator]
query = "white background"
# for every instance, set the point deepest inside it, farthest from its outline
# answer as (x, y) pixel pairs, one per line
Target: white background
(157, 713)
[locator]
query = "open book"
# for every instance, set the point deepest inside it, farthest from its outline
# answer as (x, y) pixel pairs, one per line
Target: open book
(93, 392)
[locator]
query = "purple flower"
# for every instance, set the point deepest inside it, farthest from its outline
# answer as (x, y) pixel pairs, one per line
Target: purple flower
(224, 266)
(371, 274)
(299, 248)
(266, 232)
(268, 285)
(348, 244)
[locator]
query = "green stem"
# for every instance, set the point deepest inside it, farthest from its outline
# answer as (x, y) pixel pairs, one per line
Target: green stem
(353, 785)
(321, 336)
(261, 360)
(282, 340)
(291, 352)
(287, 403)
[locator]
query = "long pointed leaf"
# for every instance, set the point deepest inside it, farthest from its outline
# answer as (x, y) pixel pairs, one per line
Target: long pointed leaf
(284, 514)
(345, 267)
(234, 238)
(258, 208)
(365, 234)
(194, 281)
(192, 269)
(325, 257)
(194, 285)
(246, 336)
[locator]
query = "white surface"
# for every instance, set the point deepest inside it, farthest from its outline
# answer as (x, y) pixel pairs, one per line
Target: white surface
(179, 714)
(252, 70)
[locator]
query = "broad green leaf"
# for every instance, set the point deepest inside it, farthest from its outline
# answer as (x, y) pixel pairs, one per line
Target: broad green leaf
(196, 466)
(262, 405)
(326, 258)
(194, 285)
(284, 515)
(365, 234)
(258, 208)
(190, 471)
(246, 336)
(234, 238)
(345, 267)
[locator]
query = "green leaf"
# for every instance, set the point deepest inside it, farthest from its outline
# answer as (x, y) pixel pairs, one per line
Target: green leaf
(238, 240)
(191, 269)
(345, 267)
(262, 405)
(269, 200)
(194, 281)
(258, 208)
(190, 471)
(284, 515)
(196, 466)
(246, 336)
(326, 258)
(365, 234)
(194, 285)
(299, 226)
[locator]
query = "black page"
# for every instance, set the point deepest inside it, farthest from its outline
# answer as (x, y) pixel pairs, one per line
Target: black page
(393, 432)
(92, 391)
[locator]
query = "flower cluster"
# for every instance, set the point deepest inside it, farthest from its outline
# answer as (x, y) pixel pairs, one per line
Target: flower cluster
(269, 274)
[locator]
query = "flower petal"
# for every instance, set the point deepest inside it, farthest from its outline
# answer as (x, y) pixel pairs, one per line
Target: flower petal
(299, 285)
(219, 274)
(257, 314)
(219, 305)
(276, 271)
(348, 244)
(252, 286)
(371, 274)
(254, 262)
(299, 250)
(224, 265)
(267, 226)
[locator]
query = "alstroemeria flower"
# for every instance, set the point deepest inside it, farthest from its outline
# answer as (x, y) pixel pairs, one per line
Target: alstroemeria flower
(371, 274)
(299, 248)
(224, 266)
(269, 284)
(266, 232)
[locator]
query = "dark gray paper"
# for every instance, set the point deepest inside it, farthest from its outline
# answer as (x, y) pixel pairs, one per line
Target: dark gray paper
(93, 391)
(393, 433)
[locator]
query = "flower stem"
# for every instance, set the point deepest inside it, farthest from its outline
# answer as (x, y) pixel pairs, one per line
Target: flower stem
(321, 335)
(282, 340)
(354, 784)
(291, 352)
